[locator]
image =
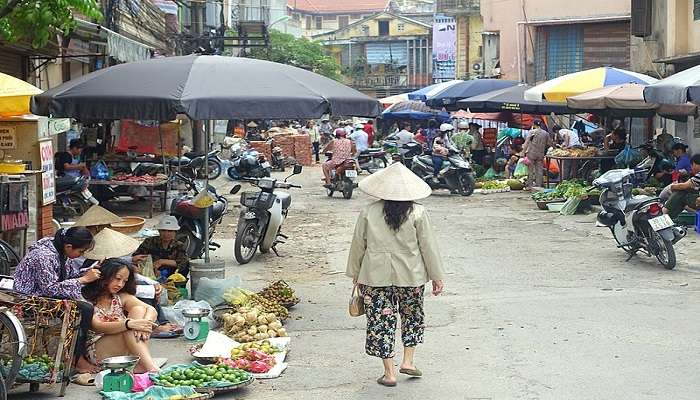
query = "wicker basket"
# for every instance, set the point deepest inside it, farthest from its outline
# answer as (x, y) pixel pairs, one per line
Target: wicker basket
(129, 225)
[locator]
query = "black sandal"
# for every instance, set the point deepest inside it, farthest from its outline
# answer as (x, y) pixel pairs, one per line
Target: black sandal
(383, 382)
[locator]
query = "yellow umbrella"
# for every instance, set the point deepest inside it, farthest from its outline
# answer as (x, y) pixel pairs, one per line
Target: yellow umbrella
(15, 95)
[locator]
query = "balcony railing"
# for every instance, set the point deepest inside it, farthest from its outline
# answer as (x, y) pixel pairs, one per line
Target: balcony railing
(244, 13)
(381, 80)
(458, 6)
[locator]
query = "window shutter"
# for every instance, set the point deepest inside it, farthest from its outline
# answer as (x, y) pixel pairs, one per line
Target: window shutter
(641, 17)
(696, 10)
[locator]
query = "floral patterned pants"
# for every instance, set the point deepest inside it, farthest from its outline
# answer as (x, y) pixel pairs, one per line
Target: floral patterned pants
(381, 307)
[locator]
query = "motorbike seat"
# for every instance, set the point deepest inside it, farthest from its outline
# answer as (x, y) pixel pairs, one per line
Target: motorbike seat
(426, 159)
(217, 209)
(193, 154)
(182, 161)
(64, 183)
(637, 201)
(285, 198)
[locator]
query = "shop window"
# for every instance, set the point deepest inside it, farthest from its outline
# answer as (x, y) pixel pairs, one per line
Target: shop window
(696, 10)
(319, 22)
(308, 23)
(383, 27)
(343, 21)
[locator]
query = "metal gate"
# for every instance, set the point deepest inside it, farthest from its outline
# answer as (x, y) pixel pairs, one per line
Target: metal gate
(559, 51)
(606, 44)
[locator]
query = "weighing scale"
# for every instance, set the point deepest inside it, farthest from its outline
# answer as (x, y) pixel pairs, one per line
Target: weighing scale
(197, 328)
(119, 378)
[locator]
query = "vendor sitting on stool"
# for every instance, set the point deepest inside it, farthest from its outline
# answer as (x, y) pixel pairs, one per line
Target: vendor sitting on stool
(168, 254)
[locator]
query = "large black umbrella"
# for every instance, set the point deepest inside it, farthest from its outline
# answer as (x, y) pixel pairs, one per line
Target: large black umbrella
(511, 99)
(204, 88)
(449, 97)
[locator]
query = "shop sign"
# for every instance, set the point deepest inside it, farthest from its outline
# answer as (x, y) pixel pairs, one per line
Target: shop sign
(10, 222)
(52, 126)
(7, 137)
(48, 182)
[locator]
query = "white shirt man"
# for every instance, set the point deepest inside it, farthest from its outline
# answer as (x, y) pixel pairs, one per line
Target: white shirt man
(361, 140)
(404, 137)
(569, 138)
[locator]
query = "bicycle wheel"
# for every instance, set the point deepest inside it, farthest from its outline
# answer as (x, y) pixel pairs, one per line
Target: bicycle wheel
(10, 359)
(8, 258)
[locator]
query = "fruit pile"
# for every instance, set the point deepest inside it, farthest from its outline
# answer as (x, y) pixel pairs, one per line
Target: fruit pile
(36, 368)
(201, 376)
(251, 324)
(238, 298)
(281, 293)
(264, 346)
(251, 360)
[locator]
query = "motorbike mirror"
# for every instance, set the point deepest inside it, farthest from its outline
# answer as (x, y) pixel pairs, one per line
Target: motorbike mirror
(297, 169)
(235, 189)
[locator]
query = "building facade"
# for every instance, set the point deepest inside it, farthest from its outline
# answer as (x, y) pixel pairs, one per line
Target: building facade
(469, 61)
(317, 17)
(384, 54)
(537, 40)
(666, 39)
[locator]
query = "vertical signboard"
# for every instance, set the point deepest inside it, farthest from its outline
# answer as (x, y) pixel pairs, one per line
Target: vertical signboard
(444, 48)
(48, 183)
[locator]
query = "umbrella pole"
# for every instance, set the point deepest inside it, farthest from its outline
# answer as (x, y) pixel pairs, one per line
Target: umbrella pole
(207, 131)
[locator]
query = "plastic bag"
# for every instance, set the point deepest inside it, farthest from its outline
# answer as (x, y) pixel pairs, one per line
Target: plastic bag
(520, 169)
(212, 290)
(141, 382)
(174, 313)
(570, 206)
(510, 132)
(100, 171)
(490, 174)
(628, 157)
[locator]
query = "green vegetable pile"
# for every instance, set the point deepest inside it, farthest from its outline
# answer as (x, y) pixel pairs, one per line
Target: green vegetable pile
(574, 188)
(491, 185)
(202, 376)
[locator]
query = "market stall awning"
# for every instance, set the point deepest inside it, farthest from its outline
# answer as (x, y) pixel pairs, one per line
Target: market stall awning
(391, 100)
(118, 46)
(428, 91)
(560, 88)
(15, 95)
(511, 99)
(414, 110)
(626, 100)
(678, 88)
(204, 88)
(449, 97)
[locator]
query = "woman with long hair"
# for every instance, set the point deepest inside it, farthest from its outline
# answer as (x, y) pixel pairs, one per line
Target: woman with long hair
(393, 255)
(122, 324)
(50, 269)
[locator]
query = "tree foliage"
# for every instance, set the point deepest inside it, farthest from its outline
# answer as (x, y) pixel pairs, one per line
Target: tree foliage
(37, 20)
(299, 52)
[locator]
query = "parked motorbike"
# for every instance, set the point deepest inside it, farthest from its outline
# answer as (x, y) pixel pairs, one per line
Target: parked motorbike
(372, 160)
(73, 197)
(343, 178)
(249, 164)
(190, 217)
(456, 174)
(655, 162)
(279, 161)
(402, 153)
(636, 222)
(260, 222)
(195, 167)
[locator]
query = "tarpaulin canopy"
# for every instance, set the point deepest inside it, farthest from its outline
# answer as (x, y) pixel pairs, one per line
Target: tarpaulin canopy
(449, 97)
(511, 99)
(428, 91)
(414, 110)
(15, 95)
(626, 100)
(678, 88)
(204, 88)
(391, 100)
(558, 89)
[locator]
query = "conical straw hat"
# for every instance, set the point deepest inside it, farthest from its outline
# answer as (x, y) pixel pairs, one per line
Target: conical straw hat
(111, 244)
(97, 215)
(395, 183)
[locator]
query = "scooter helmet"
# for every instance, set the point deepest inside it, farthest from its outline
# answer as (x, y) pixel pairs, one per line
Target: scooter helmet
(340, 132)
(359, 125)
(446, 128)
(463, 125)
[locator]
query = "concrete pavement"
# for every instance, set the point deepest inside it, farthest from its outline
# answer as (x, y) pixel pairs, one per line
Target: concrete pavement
(537, 306)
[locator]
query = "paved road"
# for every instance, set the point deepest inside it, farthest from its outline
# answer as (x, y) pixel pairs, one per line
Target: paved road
(537, 306)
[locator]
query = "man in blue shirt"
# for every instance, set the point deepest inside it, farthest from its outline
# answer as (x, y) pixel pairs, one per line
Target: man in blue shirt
(682, 157)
